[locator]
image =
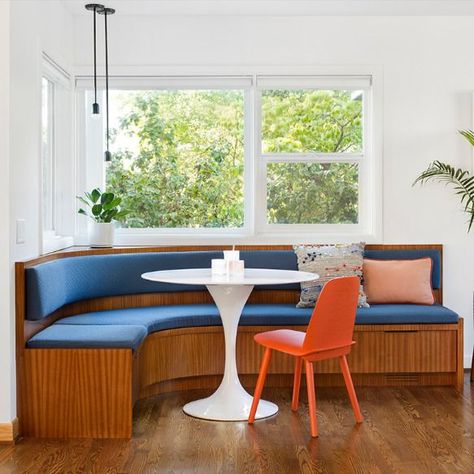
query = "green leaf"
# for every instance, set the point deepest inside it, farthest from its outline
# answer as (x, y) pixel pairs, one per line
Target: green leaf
(121, 214)
(95, 195)
(471, 220)
(106, 198)
(80, 198)
(468, 135)
(96, 209)
(113, 204)
(81, 211)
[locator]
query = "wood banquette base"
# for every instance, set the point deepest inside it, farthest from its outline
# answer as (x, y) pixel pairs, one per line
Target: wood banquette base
(90, 393)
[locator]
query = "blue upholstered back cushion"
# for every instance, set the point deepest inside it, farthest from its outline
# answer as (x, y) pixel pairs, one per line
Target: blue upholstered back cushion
(434, 254)
(276, 259)
(51, 285)
(54, 284)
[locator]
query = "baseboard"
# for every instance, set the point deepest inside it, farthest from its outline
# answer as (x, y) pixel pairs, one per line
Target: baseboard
(9, 431)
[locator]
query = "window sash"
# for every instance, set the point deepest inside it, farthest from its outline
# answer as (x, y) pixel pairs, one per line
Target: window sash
(262, 159)
(57, 222)
(95, 139)
(48, 156)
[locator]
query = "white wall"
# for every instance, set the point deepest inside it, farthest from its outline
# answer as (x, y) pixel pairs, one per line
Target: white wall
(7, 338)
(428, 80)
(33, 27)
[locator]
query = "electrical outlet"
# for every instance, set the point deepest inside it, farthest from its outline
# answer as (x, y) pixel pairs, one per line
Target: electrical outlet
(20, 231)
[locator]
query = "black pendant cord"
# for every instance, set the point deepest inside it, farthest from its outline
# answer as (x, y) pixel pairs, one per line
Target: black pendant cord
(95, 7)
(107, 152)
(106, 12)
(95, 56)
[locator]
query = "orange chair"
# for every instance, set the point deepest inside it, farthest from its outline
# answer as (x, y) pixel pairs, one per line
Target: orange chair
(329, 335)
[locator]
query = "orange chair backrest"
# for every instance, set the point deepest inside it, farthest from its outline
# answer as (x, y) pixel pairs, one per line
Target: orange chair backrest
(332, 322)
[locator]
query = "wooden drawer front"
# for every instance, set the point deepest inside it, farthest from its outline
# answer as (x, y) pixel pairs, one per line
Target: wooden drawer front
(375, 352)
(404, 351)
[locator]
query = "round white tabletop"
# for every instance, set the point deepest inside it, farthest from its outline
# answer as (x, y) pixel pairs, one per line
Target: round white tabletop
(230, 402)
(252, 276)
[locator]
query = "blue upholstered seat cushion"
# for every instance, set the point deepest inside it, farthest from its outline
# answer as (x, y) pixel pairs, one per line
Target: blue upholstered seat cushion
(85, 336)
(157, 318)
(126, 328)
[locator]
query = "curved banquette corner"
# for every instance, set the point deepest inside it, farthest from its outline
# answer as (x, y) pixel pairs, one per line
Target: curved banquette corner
(93, 336)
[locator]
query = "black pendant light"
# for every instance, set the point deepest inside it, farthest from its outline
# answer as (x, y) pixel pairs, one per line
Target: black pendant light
(106, 12)
(95, 7)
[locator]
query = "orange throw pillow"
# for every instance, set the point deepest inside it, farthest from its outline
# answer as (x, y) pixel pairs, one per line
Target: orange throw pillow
(398, 281)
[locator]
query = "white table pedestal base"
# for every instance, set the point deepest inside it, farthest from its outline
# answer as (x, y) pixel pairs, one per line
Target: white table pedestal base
(230, 402)
(225, 406)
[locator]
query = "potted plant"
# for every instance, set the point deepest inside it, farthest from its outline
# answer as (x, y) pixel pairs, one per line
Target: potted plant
(463, 184)
(102, 208)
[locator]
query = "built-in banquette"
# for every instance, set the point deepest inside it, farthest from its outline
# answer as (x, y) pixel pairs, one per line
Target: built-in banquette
(93, 336)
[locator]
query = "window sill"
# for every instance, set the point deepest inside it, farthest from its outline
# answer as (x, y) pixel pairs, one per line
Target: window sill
(287, 238)
(56, 242)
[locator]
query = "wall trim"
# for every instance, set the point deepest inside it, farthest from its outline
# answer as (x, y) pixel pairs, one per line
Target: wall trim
(9, 431)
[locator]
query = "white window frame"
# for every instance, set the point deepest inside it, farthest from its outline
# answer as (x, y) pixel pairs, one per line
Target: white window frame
(255, 229)
(363, 158)
(51, 117)
(96, 176)
(61, 235)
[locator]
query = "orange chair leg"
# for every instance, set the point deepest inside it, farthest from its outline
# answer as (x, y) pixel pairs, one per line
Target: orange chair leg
(311, 398)
(296, 384)
(350, 389)
(260, 384)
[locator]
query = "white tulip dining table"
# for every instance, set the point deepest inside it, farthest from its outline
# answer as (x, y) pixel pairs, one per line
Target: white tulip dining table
(230, 402)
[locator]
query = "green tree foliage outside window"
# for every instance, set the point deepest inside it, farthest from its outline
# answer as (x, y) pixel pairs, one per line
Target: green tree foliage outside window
(186, 165)
(188, 171)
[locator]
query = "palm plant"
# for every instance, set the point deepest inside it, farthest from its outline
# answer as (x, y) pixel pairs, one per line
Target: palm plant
(461, 180)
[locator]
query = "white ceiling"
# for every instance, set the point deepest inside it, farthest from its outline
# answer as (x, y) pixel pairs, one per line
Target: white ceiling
(282, 7)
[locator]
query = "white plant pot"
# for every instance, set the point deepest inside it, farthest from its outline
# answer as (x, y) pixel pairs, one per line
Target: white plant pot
(100, 234)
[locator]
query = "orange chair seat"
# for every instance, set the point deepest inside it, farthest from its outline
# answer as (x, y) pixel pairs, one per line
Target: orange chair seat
(284, 340)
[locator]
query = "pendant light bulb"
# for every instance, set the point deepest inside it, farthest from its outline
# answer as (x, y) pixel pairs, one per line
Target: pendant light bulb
(95, 111)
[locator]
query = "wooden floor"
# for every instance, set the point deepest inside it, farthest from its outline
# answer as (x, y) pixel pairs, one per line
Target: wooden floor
(406, 430)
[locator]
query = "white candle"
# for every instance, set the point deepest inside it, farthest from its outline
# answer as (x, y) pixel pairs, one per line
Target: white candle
(236, 267)
(231, 255)
(218, 266)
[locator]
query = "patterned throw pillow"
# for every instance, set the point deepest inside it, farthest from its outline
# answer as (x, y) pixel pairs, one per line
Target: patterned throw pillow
(328, 261)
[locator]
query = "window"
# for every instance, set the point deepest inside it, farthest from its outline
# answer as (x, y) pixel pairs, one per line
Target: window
(311, 152)
(56, 158)
(248, 156)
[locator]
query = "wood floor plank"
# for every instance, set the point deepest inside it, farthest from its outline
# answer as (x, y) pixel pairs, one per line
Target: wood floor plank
(414, 430)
